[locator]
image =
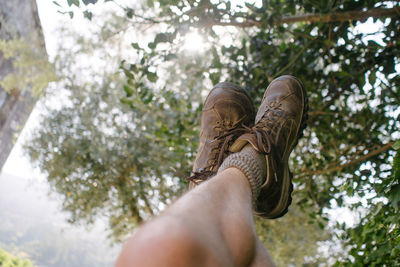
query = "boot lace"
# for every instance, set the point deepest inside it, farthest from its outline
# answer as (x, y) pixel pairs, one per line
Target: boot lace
(264, 130)
(227, 134)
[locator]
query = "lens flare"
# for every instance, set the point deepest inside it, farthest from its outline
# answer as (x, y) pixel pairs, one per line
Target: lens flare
(194, 42)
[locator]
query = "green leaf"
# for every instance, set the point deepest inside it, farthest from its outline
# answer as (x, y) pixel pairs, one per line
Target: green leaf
(282, 47)
(394, 196)
(161, 38)
(396, 166)
(128, 90)
(133, 68)
(396, 146)
(135, 45)
(250, 6)
(86, 2)
(372, 77)
(87, 14)
(73, 2)
(57, 4)
(215, 77)
(150, 3)
(148, 99)
(152, 76)
(125, 101)
(152, 45)
(170, 57)
(129, 13)
(71, 14)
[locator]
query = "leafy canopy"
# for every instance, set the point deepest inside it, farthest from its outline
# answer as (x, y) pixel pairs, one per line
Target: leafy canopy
(129, 164)
(8, 260)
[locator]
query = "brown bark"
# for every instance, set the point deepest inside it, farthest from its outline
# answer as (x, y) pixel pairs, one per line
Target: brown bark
(330, 17)
(343, 16)
(18, 19)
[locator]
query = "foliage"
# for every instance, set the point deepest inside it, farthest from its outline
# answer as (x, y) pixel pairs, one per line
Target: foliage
(7, 260)
(124, 154)
(375, 240)
(103, 158)
(284, 237)
(345, 154)
(32, 69)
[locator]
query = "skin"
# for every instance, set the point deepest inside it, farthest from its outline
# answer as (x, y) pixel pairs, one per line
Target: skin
(211, 225)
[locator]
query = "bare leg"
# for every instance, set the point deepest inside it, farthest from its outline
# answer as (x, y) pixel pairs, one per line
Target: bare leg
(261, 257)
(212, 225)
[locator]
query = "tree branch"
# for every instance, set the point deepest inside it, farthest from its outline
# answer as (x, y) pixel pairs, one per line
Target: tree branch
(351, 162)
(330, 17)
(343, 16)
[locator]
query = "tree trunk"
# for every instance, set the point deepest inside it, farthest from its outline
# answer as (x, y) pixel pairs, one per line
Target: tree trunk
(18, 19)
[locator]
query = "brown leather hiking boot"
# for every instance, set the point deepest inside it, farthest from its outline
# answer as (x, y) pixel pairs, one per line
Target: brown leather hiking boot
(227, 109)
(279, 124)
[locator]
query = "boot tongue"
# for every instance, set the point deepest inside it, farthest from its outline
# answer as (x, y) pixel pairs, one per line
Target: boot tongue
(242, 141)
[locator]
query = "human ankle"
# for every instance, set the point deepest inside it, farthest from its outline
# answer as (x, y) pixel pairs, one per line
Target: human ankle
(251, 164)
